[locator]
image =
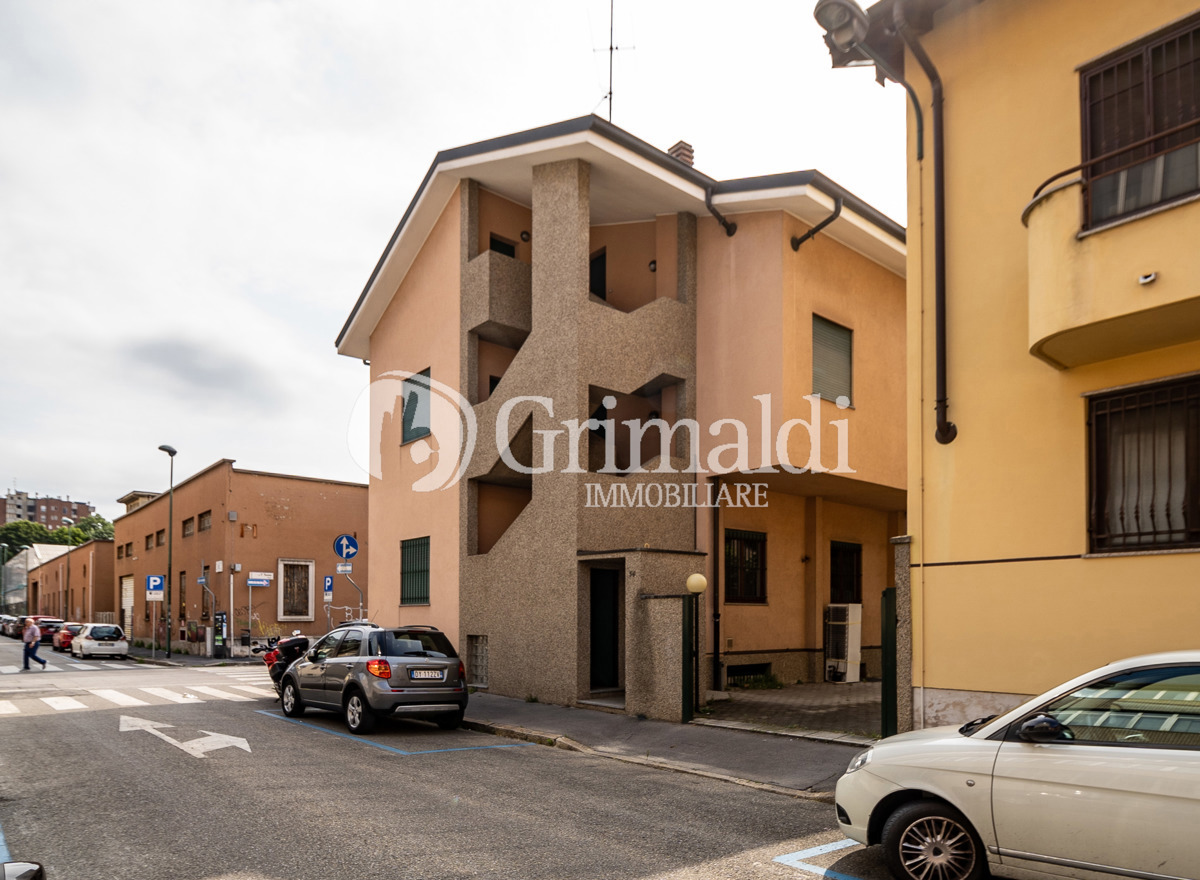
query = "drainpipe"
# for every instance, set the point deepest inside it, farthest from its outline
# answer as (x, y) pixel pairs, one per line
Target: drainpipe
(730, 228)
(798, 240)
(946, 429)
(716, 593)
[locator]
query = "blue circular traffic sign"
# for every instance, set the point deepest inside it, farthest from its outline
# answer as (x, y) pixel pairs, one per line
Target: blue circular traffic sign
(346, 547)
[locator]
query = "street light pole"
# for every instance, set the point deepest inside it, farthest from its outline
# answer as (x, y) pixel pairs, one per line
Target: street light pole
(170, 451)
(67, 587)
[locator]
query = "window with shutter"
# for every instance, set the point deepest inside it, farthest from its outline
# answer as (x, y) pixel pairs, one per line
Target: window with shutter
(414, 572)
(832, 359)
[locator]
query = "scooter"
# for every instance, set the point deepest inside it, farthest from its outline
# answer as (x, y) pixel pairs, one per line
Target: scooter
(279, 654)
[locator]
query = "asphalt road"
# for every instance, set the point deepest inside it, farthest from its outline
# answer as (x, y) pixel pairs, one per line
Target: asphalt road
(137, 771)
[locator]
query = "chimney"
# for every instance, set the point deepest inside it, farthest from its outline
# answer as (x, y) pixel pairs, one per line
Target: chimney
(683, 152)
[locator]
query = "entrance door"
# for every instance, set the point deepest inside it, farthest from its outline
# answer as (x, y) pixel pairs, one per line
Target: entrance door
(127, 605)
(606, 628)
(845, 573)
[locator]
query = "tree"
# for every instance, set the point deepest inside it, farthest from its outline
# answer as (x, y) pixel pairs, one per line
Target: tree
(20, 532)
(94, 528)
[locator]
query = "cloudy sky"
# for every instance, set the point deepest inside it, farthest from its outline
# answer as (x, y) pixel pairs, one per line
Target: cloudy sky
(193, 192)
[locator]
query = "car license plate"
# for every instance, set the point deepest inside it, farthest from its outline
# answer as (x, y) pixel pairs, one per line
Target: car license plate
(435, 674)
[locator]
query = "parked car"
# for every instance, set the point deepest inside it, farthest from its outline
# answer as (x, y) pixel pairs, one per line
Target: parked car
(66, 632)
(103, 639)
(1099, 776)
(364, 671)
(47, 624)
(7, 622)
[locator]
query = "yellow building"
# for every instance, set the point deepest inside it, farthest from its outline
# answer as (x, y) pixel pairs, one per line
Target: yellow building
(1054, 426)
(578, 345)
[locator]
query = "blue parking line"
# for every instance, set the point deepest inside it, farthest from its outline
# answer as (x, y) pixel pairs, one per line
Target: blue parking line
(4, 854)
(377, 745)
(796, 860)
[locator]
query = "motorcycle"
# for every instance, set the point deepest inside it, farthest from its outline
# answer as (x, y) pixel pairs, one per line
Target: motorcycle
(279, 654)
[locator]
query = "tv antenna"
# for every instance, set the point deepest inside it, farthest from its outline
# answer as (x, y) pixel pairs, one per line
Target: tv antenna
(612, 50)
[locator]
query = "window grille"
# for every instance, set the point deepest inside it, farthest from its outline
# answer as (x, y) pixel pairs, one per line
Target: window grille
(414, 572)
(205, 521)
(1145, 467)
(745, 566)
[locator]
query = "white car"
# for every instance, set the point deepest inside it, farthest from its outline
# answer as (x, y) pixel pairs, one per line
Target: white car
(1097, 778)
(100, 639)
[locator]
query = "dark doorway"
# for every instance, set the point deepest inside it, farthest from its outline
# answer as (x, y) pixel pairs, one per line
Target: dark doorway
(598, 275)
(845, 573)
(606, 628)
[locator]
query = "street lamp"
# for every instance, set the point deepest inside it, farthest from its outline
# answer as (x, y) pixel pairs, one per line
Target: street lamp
(170, 451)
(67, 587)
(696, 585)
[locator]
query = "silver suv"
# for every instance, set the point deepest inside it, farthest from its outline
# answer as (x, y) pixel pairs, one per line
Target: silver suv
(364, 671)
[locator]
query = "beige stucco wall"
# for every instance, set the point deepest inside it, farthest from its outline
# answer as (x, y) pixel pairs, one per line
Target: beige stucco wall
(418, 330)
(1014, 485)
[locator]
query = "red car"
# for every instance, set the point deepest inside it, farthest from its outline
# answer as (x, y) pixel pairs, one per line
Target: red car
(62, 638)
(47, 624)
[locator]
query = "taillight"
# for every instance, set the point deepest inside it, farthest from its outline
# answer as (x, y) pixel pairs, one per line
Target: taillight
(462, 671)
(379, 668)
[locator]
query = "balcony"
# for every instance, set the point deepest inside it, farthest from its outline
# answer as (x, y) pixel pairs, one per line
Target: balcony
(1113, 290)
(497, 296)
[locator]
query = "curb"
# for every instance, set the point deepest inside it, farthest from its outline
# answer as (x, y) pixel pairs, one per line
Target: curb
(825, 736)
(524, 734)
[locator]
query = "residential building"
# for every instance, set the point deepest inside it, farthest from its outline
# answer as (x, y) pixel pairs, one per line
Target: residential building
(1054, 426)
(17, 596)
(248, 549)
(561, 334)
(47, 511)
(75, 583)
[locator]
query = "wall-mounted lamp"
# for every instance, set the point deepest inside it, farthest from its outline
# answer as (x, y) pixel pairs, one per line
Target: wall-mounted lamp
(525, 236)
(366, 362)
(654, 265)
(1148, 278)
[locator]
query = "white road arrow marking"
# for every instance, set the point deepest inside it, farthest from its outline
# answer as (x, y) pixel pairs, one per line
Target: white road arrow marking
(195, 747)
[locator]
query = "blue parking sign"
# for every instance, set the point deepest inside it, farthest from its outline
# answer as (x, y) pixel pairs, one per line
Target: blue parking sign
(154, 587)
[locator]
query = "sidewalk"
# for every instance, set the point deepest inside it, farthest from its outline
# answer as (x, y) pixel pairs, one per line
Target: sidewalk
(159, 658)
(793, 764)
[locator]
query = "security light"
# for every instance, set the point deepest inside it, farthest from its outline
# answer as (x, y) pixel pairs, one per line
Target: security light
(844, 22)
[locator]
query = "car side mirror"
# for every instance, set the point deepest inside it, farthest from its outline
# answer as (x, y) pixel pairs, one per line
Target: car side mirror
(311, 656)
(23, 871)
(1041, 728)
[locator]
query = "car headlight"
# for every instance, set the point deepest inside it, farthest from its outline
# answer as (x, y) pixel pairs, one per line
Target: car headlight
(862, 759)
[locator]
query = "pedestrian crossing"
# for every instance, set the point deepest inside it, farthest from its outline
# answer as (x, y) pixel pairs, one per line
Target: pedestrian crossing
(94, 666)
(107, 698)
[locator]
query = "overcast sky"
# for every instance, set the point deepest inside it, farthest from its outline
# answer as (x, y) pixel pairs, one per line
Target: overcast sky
(193, 192)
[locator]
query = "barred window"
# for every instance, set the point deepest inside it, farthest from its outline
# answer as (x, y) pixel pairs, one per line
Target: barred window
(160, 537)
(745, 566)
(188, 527)
(1145, 467)
(414, 572)
(205, 521)
(1141, 110)
(415, 412)
(295, 589)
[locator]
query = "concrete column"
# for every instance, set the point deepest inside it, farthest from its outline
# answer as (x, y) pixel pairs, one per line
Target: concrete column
(902, 550)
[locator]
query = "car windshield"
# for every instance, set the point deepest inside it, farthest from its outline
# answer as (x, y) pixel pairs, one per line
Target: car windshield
(74, 627)
(410, 643)
(105, 632)
(971, 726)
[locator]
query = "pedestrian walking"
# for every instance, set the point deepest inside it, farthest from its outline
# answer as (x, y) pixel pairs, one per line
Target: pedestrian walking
(33, 638)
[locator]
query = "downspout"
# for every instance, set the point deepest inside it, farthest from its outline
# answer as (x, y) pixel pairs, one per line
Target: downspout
(798, 240)
(716, 590)
(946, 429)
(730, 228)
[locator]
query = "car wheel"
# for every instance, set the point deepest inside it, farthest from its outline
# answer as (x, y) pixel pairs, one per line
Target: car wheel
(453, 721)
(290, 700)
(360, 717)
(925, 839)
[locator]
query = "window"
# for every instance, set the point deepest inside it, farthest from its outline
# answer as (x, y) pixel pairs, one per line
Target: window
(500, 246)
(160, 537)
(205, 521)
(149, 542)
(845, 573)
(598, 275)
(832, 345)
(120, 551)
(477, 660)
(1131, 98)
(351, 645)
(414, 572)
(745, 566)
(296, 589)
(188, 527)
(1145, 467)
(1146, 707)
(416, 407)
(183, 595)
(205, 598)
(325, 648)
(129, 550)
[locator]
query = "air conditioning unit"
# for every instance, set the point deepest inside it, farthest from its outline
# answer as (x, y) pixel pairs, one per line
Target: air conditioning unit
(843, 642)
